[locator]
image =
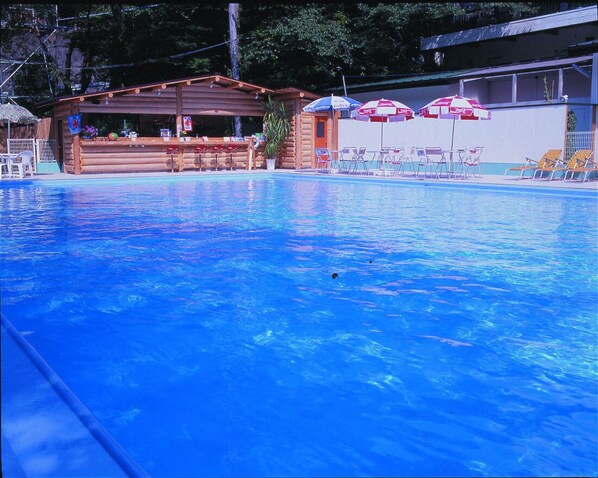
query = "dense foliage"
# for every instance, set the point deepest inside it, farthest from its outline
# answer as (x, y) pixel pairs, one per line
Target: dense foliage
(305, 45)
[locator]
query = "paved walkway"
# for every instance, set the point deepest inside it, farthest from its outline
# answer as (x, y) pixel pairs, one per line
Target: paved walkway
(513, 181)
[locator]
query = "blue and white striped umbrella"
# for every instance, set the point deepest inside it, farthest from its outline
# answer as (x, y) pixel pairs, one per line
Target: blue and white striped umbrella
(330, 103)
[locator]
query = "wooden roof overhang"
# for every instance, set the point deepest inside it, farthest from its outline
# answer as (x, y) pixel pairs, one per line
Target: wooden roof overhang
(212, 80)
(292, 93)
(203, 95)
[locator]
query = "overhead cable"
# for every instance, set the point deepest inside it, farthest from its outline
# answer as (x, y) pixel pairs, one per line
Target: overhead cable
(154, 60)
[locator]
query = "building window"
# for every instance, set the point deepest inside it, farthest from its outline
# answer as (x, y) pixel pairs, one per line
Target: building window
(439, 58)
(320, 129)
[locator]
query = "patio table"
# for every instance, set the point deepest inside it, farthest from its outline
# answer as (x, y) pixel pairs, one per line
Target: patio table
(448, 155)
(6, 162)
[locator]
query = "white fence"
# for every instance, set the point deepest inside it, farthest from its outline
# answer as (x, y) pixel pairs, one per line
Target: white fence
(44, 150)
(577, 140)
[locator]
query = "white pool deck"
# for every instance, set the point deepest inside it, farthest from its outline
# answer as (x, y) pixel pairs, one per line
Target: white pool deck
(490, 180)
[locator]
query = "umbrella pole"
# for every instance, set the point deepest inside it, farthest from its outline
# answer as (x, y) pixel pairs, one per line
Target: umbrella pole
(8, 139)
(452, 140)
(453, 134)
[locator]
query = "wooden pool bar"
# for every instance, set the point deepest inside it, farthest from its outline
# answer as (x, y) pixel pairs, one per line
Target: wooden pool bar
(155, 154)
(196, 97)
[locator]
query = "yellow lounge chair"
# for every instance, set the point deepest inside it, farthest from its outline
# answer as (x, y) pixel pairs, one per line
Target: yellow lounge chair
(578, 160)
(585, 170)
(550, 158)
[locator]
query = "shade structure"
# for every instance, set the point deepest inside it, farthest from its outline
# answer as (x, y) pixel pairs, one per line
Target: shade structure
(456, 108)
(383, 111)
(331, 103)
(12, 113)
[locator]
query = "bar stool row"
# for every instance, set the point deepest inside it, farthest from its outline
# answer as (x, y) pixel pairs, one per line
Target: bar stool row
(215, 150)
(201, 151)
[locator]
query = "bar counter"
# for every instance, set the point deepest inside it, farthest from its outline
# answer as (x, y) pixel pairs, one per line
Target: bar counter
(145, 154)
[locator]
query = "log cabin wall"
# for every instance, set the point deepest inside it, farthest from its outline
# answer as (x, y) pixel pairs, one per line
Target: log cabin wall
(213, 95)
(152, 155)
(61, 112)
(298, 149)
(287, 159)
(306, 138)
(197, 99)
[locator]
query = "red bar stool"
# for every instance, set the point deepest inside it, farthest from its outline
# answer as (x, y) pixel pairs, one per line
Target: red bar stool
(231, 149)
(199, 152)
(217, 148)
(171, 151)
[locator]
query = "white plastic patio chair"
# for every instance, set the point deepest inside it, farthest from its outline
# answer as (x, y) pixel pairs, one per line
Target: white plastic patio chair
(470, 162)
(22, 162)
(344, 159)
(4, 160)
(359, 161)
(323, 160)
(397, 159)
(435, 161)
(418, 159)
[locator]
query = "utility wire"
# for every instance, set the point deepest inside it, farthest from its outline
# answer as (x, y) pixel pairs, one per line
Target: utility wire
(21, 65)
(99, 14)
(154, 60)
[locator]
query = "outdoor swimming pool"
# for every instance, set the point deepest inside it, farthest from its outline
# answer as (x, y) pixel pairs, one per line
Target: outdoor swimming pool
(200, 322)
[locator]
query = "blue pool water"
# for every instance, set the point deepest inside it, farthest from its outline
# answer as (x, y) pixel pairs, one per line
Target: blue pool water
(200, 323)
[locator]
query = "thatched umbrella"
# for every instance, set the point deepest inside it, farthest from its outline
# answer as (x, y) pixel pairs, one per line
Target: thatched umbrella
(15, 114)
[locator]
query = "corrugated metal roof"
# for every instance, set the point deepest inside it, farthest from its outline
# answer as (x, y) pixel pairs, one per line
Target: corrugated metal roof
(526, 26)
(536, 65)
(447, 76)
(424, 77)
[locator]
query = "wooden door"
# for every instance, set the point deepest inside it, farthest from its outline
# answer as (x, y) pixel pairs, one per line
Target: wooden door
(60, 143)
(320, 132)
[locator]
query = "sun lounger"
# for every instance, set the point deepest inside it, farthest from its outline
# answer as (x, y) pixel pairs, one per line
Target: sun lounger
(577, 161)
(584, 171)
(551, 157)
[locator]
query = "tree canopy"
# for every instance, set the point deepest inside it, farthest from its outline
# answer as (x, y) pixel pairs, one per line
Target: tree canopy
(79, 46)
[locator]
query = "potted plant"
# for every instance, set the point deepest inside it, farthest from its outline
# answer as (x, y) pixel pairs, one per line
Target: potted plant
(276, 129)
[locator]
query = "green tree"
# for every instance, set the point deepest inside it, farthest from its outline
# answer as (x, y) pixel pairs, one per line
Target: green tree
(287, 44)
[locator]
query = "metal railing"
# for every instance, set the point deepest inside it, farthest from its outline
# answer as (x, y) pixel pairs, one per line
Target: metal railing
(45, 150)
(576, 140)
(17, 146)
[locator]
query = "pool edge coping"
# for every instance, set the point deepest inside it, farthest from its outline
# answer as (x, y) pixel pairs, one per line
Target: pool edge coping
(102, 436)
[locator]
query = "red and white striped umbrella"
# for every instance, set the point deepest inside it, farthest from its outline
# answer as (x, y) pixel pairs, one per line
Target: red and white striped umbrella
(456, 108)
(383, 111)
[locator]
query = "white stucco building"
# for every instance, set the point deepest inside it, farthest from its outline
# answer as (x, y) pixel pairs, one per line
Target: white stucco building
(535, 75)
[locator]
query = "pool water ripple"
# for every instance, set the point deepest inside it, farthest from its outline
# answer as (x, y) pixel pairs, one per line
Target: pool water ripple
(202, 320)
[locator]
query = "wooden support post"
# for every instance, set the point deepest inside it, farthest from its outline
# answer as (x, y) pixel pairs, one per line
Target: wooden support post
(76, 148)
(250, 154)
(297, 111)
(181, 158)
(179, 109)
(329, 130)
(559, 93)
